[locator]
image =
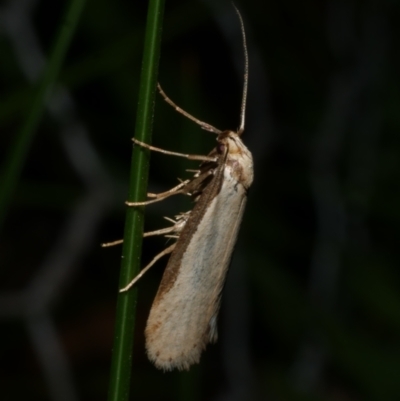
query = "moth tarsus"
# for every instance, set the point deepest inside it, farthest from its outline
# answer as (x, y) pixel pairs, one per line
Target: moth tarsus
(113, 243)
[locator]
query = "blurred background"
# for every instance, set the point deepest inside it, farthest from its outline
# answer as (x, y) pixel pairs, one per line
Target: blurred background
(311, 309)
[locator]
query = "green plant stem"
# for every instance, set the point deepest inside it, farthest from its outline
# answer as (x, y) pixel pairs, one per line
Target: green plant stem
(126, 305)
(16, 156)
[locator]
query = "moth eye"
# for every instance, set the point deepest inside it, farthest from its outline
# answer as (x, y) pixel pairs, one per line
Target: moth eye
(220, 148)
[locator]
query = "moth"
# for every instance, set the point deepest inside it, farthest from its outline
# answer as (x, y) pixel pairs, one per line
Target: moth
(183, 317)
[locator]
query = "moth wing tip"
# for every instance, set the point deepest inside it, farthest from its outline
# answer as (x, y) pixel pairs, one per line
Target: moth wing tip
(167, 360)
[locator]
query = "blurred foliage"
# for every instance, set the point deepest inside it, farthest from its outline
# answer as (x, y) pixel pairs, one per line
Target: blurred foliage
(317, 304)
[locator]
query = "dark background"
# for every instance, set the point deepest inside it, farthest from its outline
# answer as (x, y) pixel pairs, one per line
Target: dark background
(311, 310)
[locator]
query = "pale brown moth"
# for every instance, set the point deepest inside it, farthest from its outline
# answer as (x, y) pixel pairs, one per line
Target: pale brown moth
(183, 317)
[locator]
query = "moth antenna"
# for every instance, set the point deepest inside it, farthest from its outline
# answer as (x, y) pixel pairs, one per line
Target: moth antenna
(203, 125)
(246, 74)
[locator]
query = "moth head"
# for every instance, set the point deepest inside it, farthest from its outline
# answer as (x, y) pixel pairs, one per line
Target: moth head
(235, 157)
(229, 140)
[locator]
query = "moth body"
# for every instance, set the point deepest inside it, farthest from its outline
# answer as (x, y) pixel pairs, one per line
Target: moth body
(191, 286)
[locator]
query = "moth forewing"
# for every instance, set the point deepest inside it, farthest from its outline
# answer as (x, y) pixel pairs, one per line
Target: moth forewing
(191, 286)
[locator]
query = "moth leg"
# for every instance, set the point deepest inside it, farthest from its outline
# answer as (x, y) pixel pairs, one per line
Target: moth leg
(148, 202)
(170, 220)
(144, 270)
(162, 231)
(190, 185)
(161, 196)
(168, 152)
(203, 125)
(170, 191)
(113, 243)
(180, 185)
(177, 227)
